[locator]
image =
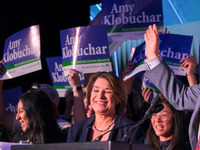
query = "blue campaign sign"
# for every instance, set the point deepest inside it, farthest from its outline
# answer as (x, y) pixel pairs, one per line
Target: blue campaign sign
(22, 45)
(56, 71)
(11, 98)
(83, 43)
(174, 47)
(147, 83)
(131, 13)
(59, 80)
(85, 49)
(139, 54)
(22, 52)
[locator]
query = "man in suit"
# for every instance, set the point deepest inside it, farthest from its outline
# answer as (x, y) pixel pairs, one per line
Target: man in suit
(178, 94)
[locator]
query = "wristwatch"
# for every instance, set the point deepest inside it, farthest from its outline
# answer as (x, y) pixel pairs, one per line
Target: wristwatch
(78, 88)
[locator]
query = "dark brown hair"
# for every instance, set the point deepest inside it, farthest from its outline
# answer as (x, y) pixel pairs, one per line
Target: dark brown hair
(117, 85)
(178, 139)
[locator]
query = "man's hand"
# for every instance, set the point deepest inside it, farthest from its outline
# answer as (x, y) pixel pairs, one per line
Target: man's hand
(152, 40)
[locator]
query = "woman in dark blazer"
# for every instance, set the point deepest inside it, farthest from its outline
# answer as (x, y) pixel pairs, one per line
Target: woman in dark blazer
(107, 96)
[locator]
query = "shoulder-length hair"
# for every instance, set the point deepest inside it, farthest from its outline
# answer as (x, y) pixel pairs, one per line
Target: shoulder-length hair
(40, 113)
(178, 139)
(117, 85)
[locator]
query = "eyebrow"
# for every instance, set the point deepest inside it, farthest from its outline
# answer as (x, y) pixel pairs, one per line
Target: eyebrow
(99, 87)
(21, 108)
(95, 86)
(166, 112)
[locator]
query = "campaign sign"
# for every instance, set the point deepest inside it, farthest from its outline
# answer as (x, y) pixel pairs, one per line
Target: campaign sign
(173, 48)
(146, 83)
(85, 49)
(59, 80)
(131, 13)
(11, 98)
(129, 19)
(22, 52)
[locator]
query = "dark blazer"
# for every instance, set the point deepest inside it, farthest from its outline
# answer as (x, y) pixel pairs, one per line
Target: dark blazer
(80, 131)
(179, 95)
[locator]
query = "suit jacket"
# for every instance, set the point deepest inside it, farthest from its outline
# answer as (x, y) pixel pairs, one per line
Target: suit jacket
(179, 95)
(80, 131)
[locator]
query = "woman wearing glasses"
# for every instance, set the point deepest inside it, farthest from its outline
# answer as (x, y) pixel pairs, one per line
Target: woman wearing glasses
(166, 131)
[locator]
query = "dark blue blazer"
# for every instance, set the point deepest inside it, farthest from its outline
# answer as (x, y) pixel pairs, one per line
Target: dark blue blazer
(80, 131)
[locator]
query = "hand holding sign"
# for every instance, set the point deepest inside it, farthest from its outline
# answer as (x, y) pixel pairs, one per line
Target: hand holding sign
(21, 53)
(2, 69)
(146, 94)
(190, 63)
(74, 78)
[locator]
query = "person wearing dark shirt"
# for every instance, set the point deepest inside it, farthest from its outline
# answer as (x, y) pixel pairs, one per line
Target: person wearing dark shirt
(167, 129)
(37, 119)
(107, 95)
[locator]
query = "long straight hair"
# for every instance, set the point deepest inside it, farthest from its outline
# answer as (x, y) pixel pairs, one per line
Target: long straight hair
(178, 139)
(40, 113)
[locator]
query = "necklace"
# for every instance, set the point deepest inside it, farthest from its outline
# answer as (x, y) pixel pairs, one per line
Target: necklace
(104, 129)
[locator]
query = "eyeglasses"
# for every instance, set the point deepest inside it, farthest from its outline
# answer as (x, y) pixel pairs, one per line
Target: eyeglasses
(162, 117)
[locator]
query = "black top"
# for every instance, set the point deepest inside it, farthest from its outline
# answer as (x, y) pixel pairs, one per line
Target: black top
(21, 137)
(80, 132)
(164, 145)
(4, 137)
(51, 137)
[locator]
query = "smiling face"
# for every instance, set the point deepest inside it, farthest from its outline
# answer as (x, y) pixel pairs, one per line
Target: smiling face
(102, 98)
(163, 123)
(22, 117)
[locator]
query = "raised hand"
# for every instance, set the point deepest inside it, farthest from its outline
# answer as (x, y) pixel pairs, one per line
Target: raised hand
(190, 63)
(74, 78)
(152, 40)
(79, 109)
